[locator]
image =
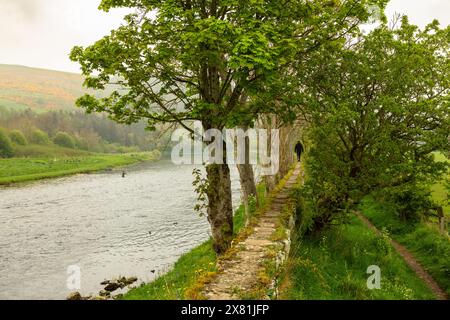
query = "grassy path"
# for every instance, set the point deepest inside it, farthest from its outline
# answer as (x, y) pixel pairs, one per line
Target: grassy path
(240, 275)
(411, 261)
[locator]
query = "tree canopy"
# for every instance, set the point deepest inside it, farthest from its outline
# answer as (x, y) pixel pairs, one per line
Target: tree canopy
(187, 60)
(179, 61)
(6, 149)
(379, 108)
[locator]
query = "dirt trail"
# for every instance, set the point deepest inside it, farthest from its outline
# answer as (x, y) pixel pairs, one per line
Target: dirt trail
(412, 262)
(240, 274)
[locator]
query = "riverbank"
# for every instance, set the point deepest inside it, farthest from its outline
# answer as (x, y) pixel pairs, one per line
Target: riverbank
(17, 170)
(108, 226)
(178, 283)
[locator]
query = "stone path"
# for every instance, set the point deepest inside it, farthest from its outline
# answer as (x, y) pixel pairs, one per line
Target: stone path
(240, 274)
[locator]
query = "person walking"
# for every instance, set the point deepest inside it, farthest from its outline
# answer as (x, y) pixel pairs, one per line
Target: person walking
(299, 149)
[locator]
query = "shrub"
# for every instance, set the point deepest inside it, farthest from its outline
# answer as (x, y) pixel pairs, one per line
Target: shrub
(6, 149)
(411, 202)
(156, 154)
(39, 137)
(64, 139)
(123, 149)
(17, 137)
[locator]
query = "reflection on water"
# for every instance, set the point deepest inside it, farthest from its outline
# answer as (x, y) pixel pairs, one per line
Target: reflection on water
(107, 225)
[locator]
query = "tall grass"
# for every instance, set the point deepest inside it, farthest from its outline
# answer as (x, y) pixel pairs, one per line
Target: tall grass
(425, 242)
(333, 266)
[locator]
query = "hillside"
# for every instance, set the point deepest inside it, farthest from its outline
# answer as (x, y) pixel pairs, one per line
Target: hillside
(38, 89)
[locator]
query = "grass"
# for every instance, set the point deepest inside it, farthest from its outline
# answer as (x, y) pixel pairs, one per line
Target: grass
(63, 162)
(428, 246)
(333, 266)
(197, 263)
(439, 191)
(47, 151)
(173, 285)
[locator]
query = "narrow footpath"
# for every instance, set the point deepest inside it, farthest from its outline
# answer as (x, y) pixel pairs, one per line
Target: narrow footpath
(239, 275)
(411, 262)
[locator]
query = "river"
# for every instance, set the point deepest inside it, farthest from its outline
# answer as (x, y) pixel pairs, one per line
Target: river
(106, 225)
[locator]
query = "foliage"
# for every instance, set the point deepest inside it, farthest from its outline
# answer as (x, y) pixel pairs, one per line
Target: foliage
(39, 137)
(6, 149)
(47, 151)
(200, 186)
(195, 60)
(180, 61)
(378, 109)
(18, 137)
(412, 202)
(447, 186)
(94, 133)
(64, 139)
(441, 188)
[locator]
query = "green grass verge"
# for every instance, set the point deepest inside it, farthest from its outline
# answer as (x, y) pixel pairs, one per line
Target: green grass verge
(429, 247)
(333, 266)
(173, 285)
(439, 191)
(186, 271)
(28, 169)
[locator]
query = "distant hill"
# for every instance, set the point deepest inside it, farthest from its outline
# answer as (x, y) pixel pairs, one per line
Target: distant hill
(39, 89)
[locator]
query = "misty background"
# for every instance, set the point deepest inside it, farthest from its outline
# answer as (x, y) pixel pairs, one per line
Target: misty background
(41, 33)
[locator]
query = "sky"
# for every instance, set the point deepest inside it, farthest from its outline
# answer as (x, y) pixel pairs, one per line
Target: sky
(41, 33)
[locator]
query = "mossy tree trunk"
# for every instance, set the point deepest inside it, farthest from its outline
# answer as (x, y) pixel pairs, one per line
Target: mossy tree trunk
(220, 209)
(247, 179)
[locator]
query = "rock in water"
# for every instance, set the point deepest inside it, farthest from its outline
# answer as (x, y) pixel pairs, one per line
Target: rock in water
(104, 293)
(75, 296)
(131, 280)
(112, 287)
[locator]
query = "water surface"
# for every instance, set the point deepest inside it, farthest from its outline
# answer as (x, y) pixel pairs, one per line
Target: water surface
(107, 225)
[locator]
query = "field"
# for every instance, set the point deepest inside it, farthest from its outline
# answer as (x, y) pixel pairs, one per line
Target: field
(62, 162)
(440, 193)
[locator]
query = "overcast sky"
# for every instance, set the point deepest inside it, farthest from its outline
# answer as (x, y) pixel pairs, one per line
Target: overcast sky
(41, 33)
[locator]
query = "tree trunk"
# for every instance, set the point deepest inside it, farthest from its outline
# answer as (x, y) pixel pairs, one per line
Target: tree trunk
(247, 178)
(269, 181)
(248, 185)
(220, 209)
(288, 135)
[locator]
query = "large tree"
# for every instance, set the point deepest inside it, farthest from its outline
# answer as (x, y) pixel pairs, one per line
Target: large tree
(379, 109)
(182, 60)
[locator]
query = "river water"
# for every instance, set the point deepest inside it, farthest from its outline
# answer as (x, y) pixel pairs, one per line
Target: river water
(106, 225)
